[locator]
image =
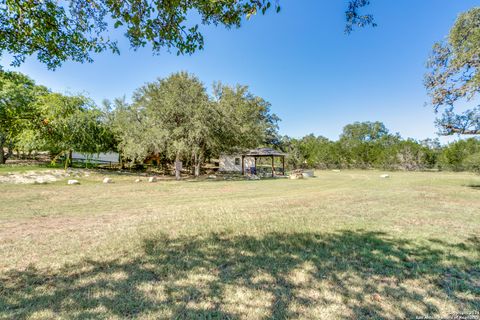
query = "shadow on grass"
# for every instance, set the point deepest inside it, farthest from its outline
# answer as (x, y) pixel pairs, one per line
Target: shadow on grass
(279, 275)
(474, 186)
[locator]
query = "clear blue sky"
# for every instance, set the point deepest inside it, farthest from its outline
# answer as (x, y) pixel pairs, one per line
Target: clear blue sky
(317, 78)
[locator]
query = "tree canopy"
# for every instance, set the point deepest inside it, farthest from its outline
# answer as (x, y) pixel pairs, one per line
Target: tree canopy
(34, 118)
(17, 96)
(176, 120)
(454, 76)
(67, 123)
(362, 145)
(57, 31)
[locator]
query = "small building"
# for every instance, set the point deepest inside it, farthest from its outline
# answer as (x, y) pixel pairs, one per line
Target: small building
(246, 162)
(233, 163)
(105, 158)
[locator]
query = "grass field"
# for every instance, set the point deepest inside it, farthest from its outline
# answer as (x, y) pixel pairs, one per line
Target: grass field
(344, 245)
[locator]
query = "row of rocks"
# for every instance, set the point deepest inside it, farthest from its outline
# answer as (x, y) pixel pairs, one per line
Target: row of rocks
(110, 180)
(294, 176)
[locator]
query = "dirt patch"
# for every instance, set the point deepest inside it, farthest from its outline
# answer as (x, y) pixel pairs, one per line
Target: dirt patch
(41, 177)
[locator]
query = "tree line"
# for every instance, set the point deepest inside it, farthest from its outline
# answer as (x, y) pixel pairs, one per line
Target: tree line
(56, 32)
(33, 117)
(172, 119)
(368, 145)
(176, 119)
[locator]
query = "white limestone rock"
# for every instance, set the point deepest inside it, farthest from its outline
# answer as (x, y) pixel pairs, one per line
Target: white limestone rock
(40, 180)
(107, 180)
(308, 173)
(295, 176)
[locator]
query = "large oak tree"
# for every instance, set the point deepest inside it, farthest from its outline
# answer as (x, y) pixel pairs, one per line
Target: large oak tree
(454, 76)
(175, 119)
(56, 31)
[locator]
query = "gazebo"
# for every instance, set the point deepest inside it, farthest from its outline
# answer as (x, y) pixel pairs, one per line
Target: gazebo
(264, 153)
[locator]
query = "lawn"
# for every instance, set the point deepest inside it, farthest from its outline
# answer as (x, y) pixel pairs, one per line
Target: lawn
(343, 245)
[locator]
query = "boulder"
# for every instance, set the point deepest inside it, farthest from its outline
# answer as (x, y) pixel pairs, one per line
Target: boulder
(40, 180)
(295, 176)
(152, 179)
(253, 177)
(138, 180)
(73, 182)
(336, 170)
(308, 173)
(385, 176)
(213, 177)
(107, 180)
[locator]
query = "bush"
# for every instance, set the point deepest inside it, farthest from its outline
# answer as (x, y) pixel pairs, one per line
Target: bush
(472, 162)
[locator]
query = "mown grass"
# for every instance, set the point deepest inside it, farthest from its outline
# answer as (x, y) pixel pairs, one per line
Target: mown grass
(24, 168)
(345, 245)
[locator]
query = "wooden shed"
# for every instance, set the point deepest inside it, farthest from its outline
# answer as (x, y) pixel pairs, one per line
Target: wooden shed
(246, 162)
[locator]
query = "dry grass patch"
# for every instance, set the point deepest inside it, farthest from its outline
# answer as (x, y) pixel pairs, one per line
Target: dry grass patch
(343, 245)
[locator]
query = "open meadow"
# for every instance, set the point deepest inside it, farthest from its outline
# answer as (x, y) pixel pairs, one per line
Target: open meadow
(343, 245)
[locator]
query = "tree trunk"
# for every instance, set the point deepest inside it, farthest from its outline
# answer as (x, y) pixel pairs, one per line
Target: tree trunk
(198, 165)
(3, 156)
(68, 159)
(177, 171)
(194, 164)
(9, 151)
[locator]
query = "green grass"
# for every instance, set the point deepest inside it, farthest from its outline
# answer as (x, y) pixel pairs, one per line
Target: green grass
(23, 168)
(345, 245)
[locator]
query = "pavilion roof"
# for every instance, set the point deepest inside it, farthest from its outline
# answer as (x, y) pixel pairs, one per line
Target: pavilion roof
(263, 152)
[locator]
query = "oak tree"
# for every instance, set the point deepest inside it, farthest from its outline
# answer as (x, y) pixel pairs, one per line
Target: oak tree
(57, 31)
(454, 76)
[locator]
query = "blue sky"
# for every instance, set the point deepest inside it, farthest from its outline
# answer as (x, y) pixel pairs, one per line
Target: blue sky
(317, 78)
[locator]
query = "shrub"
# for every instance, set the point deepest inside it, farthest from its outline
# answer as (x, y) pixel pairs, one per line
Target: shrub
(472, 162)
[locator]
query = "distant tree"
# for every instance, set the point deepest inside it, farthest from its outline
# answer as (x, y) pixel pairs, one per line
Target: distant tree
(472, 162)
(410, 155)
(361, 142)
(33, 118)
(454, 76)
(364, 131)
(130, 128)
(317, 151)
(18, 94)
(71, 123)
(244, 120)
(170, 116)
(454, 154)
(56, 31)
(290, 146)
(432, 150)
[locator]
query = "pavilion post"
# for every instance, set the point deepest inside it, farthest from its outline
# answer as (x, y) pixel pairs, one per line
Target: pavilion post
(273, 166)
(283, 165)
(255, 165)
(243, 165)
